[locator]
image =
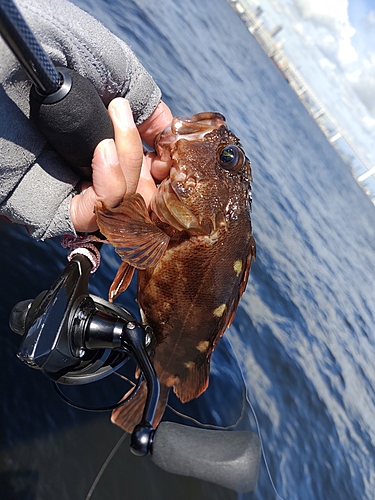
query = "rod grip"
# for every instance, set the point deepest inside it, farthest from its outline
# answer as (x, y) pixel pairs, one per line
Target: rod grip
(73, 120)
(227, 458)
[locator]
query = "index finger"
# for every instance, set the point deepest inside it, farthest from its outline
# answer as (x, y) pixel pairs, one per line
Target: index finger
(128, 142)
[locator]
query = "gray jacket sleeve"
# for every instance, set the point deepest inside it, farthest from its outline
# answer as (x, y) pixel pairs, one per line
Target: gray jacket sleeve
(36, 186)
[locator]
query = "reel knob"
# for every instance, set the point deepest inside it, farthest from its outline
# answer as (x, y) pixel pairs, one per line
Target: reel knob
(18, 316)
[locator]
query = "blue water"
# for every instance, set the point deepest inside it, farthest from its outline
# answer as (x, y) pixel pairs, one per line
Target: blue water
(303, 337)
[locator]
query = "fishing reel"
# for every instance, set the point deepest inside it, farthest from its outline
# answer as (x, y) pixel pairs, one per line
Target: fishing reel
(75, 338)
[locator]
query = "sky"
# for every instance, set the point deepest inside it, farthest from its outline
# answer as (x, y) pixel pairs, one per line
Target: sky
(332, 44)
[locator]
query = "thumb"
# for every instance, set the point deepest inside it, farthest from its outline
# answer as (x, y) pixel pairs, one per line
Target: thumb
(108, 184)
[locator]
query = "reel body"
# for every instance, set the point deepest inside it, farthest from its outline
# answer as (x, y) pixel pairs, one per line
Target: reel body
(75, 338)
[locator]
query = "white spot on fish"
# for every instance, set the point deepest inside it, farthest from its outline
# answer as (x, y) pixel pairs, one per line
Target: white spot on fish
(219, 311)
(203, 346)
(237, 267)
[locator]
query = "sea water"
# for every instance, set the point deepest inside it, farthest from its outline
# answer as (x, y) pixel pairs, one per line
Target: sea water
(302, 344)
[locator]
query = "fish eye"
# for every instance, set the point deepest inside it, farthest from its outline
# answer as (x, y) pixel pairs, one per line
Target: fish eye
(231, 158)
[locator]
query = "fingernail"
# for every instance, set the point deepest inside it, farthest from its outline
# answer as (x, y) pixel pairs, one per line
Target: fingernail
(123, 113)
(110, 152)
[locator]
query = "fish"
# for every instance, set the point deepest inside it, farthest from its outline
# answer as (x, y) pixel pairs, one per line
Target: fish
(193, 248)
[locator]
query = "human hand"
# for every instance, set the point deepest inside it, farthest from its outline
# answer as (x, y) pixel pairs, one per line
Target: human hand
(119, 166)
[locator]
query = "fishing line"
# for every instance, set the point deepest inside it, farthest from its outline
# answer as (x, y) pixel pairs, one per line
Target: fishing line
(105, 465)
(124, 377)
(263, 452)
(80, 406)
(212, 426)
(256, 423)
(114, 450)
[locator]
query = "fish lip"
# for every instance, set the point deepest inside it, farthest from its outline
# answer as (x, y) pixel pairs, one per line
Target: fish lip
(191, 128)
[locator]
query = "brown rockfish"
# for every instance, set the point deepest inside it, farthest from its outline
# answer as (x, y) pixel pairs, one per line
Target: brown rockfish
(193, 249)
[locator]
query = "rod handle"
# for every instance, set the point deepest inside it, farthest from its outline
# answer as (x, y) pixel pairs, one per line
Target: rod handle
(74, 120)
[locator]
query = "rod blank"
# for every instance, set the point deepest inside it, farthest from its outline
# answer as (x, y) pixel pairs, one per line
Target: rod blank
(27, 49)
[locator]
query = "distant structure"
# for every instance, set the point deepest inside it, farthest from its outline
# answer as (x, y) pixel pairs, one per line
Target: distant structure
(251, 15)
(276, 30)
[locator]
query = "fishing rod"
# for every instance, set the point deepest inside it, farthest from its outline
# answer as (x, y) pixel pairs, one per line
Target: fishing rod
(75, 338)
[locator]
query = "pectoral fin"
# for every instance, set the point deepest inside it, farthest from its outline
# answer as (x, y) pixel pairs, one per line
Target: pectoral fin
(170, 209)
(128, 227)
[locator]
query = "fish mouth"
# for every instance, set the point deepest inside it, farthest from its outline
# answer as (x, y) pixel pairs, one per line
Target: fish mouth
(192, 128)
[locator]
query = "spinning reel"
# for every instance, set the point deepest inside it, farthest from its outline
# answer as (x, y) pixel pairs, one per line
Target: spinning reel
(75, 338)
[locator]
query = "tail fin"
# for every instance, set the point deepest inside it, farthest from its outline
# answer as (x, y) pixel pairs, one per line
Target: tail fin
(130, 414)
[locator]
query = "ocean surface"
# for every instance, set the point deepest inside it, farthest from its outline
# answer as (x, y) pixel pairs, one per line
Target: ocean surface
(302, 345)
